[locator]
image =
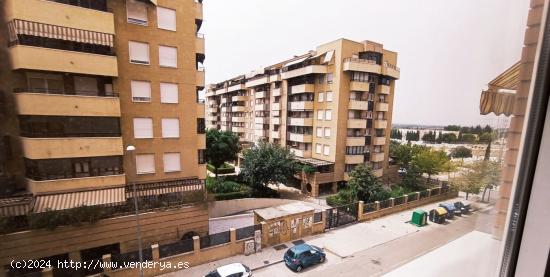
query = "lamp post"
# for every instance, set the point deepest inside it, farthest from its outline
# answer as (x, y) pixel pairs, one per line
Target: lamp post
(131, 149)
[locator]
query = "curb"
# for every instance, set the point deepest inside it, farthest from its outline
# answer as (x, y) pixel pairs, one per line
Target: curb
(266, 265)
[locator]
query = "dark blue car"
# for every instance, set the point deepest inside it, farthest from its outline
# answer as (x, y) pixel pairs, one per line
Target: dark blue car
(303, 255)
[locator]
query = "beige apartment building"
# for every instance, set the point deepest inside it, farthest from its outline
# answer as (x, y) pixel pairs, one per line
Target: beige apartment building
(83, 80)
(331, 107)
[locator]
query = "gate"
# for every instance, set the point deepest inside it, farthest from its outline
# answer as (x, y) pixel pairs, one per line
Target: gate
(341, 215)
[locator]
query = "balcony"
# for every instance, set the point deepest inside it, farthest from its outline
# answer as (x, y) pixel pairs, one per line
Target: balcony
(221, 91)
(303, 88)
(276, 120)
(382, 107)
(225, 118)
(274, 78)
(209, 93)
(96, 182)
(378, 172)
(310, 69)
(238, 119)
(358, 86)
(384, 89)
(66, 105)
(355, 141)
(275, 135)
(380, 124)
(199, 44)
(276, 92)
(357, 123)
(300, 121)
(257, 82)
(261, 120)
(276, 106)
(212, 110)
(379, 141)
(225, 128)
(300, 137)
(239, 98)
(260, 94)
(236, 87)
(58, 14)
(54, 148)
(238, 129)
(354, 159)
(358, 105)
(390, 70)
(198, 10)
(261, 107)
(225, 109)
(361, 65)
(377, 157)
(200, 78)
(224, 100)
(47, 59)
(261, 133)
(238, 109)
(301, 153)
(301, 105)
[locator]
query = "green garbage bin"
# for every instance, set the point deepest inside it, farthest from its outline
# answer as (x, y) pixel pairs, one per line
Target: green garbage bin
(419, 218)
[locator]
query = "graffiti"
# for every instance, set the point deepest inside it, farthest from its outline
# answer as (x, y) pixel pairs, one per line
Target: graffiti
(308, 222)
(284, 227)
(274, 229)
(294, 225)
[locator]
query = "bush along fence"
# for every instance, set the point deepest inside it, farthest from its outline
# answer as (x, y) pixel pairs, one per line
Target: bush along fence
(368, 211)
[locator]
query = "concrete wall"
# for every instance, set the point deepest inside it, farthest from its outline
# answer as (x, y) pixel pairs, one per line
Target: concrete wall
(231, 207)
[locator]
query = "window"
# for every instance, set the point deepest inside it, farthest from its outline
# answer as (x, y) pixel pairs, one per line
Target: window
(329, 96)
(326, 150)
(320, 114)
(143, 128)
(50, 83)
(168, 56)
(321, 79)
(82, 168)
(85, 85)
(166, 19)
(202, 159)
(172, 162)
(329, 78)
(321, 97)
(201, 126)
(327, 132)
(328, 115)
(319, 132)
(141, 91)
(318, 148)
(170, 128)
(139, 52)
(145, 163)
(168, 93)
(136, 12)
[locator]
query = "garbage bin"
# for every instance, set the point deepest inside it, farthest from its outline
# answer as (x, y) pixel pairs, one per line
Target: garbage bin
(438, 215)
(451, 210)
(463, 206)
(419, 218)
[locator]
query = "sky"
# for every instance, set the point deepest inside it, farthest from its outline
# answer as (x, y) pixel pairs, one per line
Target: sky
(448, 50)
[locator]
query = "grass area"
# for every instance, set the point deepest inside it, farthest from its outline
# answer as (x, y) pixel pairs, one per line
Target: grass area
(232, 187)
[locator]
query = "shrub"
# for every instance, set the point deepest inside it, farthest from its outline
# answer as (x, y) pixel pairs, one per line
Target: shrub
(224, 169)
(265, 192)
(233, 195)
(308, 169)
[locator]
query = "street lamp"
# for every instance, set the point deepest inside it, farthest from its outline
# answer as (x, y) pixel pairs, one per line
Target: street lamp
(131, 150)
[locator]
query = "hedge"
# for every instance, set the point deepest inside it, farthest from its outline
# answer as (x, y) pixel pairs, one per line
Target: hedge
(225, 169)
(233, 195)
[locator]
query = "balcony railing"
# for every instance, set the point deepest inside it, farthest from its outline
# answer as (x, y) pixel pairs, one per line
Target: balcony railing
(65, 92)
(98, 5)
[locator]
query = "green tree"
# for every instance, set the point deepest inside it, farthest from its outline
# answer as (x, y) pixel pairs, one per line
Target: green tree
(486, 137)
(429, 137)
(396, 134)
(492, 171)
(468, 138)
(461, 152)
(221, 147)
(430, 162)
(267, 164)
(362, 183)
(404, 153)
(471, 180)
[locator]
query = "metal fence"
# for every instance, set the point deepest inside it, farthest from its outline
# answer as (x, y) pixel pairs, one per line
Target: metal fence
(178, 247)
(384, 204)
(369, 207)
(399, 201)
(444, 189)
(435, 192)
(215, 239)
(423, 194)
(412, 197)
(246, 232)
(120, 259)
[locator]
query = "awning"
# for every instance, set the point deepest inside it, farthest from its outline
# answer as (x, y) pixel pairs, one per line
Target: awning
(313, 162)
(62, 201)
(509, 79)
(22, 27)
(328, 57)
(15, 206)
(297, 61)
(497, 102)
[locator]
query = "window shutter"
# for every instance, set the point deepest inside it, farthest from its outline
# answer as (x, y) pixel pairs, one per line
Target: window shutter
(321, 97)
(143, 128)
(145, 163)
(320, 115)
(319, 132)
(170, 128)
(136, 12)
(166, 18)
(329, 96)
(326, 150)
(139, 52)
(168, 56)
(327, 132)
(318, 148)
(141, 91)
(168, 93)
(172, 162)
(328, 115)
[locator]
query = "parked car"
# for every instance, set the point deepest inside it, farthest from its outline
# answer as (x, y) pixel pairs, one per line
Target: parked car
(451, 210)
(303, 255)
(236, 269)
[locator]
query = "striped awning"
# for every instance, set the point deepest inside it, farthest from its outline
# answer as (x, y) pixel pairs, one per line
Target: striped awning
(497, 102)
(23, 27)
(15, 206)
(62, 201)
(165, 187)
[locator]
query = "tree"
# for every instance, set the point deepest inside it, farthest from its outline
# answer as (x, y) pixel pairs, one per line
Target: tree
(430, 162)
(267, 164)
(461, 152)
(404, 153)
(447, 138)
(486, 137)
(468, 138)
(396, 134)
(221, 147)
(429, 137)
(362, 183)
(492, 172)
(471, 180)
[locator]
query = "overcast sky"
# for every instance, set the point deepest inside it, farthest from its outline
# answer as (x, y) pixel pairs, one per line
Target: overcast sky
(448, 50)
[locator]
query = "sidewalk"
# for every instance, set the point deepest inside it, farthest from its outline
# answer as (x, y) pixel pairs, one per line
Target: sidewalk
(339, 243)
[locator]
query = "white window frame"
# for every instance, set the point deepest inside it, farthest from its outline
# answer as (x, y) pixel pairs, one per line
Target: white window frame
(141, 156)
(321, 97)
(171, 48)
(165, 93)
(327, 132)
(148, 62)
(319, 132)
(165, 163)
(328, 114)
(320, 114)
(329, 96)
(163, 19)
(133, 88)
(326, 150)
(165, 123)
(149, 132)
(318, 148)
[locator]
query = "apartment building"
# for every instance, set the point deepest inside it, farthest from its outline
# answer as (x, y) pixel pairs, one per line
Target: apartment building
(332, 107)
(85, 80)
